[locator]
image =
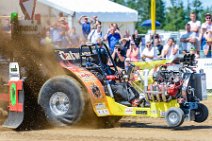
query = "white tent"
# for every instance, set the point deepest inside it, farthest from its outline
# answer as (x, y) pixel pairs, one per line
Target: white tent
(107, 12)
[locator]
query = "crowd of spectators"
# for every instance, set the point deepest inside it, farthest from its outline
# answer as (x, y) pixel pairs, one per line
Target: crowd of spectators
(127, 47)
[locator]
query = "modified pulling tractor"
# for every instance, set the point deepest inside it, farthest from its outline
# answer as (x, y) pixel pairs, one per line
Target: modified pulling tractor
(171, 91)
(151, 89)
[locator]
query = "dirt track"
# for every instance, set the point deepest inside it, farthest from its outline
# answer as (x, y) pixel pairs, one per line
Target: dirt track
(134, 129)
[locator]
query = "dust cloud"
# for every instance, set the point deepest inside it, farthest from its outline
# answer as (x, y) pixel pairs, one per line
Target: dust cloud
(37, 64)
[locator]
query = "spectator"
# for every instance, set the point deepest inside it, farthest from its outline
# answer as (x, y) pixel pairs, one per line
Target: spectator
(74, 39)
(184, 52)
(95, 34)
(157, 44)
(113, 38)
(208, 48)
(6, 25)
(127, 34)
(194, 51)
(46, 41)
(136, 38)
(96, 20)
(148, 53)
(205, 28)
(132, 52)
(99, 42)
(86, 25)
(125, 43)
(194, 23)
(119, 56)
(116, 27)
(63, 25)
(188, 39)
(63, 21)
(170, 50)
(56, 33)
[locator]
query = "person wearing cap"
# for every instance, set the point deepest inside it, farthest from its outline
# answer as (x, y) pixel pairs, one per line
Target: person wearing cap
(118, 56)
(194, 51)
(188, 39)
(132, 52)
(125, 43)
(149, 52)
(205, 28)
(86, 25)
(208, 48)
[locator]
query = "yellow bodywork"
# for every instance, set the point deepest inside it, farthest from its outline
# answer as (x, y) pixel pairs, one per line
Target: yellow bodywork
(104, 105)
(150, 65)
(156, 109)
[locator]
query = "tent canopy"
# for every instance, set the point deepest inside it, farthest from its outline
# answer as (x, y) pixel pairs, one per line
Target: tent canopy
(106, 10)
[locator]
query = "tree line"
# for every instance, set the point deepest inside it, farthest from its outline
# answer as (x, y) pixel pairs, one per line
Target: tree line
(172, 17)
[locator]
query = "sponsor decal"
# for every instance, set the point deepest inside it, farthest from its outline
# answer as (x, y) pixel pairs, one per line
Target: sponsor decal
(87, 77)
(129, 110)
(95, 91)
(70, 55)
(154, 112)
(100, 106)
(141, 112)
(162, 114)
(13, 94)
(103, 112)
(28, 28)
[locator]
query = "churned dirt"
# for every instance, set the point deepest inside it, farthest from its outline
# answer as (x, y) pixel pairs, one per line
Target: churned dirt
(128, 129)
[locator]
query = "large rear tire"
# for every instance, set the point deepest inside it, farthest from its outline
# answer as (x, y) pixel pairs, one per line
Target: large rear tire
(201, 113)
(174, 117)
(62, 100)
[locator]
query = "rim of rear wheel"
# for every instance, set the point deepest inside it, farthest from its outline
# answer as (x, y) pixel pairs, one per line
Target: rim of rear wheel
(59, 103)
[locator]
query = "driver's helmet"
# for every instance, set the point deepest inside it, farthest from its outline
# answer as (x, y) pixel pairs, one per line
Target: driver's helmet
(103, 55)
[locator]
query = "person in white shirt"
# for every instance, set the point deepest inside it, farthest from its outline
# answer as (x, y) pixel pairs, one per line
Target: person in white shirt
(149, 52)
(195, 24)
(206, 28)
(195, 27)
(170, 50)
(188, 39)
(95, 34)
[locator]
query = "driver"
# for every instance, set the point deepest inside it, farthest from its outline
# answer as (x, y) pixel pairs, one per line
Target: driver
(120, 90)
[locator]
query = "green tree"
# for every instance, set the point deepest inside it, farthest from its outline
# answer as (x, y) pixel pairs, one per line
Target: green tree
(175, 16)
(188, 11)
(197, 8)
(160, 12)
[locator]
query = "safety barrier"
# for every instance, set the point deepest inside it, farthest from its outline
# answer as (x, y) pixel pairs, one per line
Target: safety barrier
(206, 65)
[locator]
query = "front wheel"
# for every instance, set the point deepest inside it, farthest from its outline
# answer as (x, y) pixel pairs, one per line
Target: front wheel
(201, 113)
(174, 117)
(62, 101)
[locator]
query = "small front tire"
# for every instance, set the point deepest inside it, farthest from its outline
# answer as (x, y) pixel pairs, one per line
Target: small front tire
(174, 117)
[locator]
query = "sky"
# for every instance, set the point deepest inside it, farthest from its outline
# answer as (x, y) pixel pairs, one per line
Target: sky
(205, 3)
